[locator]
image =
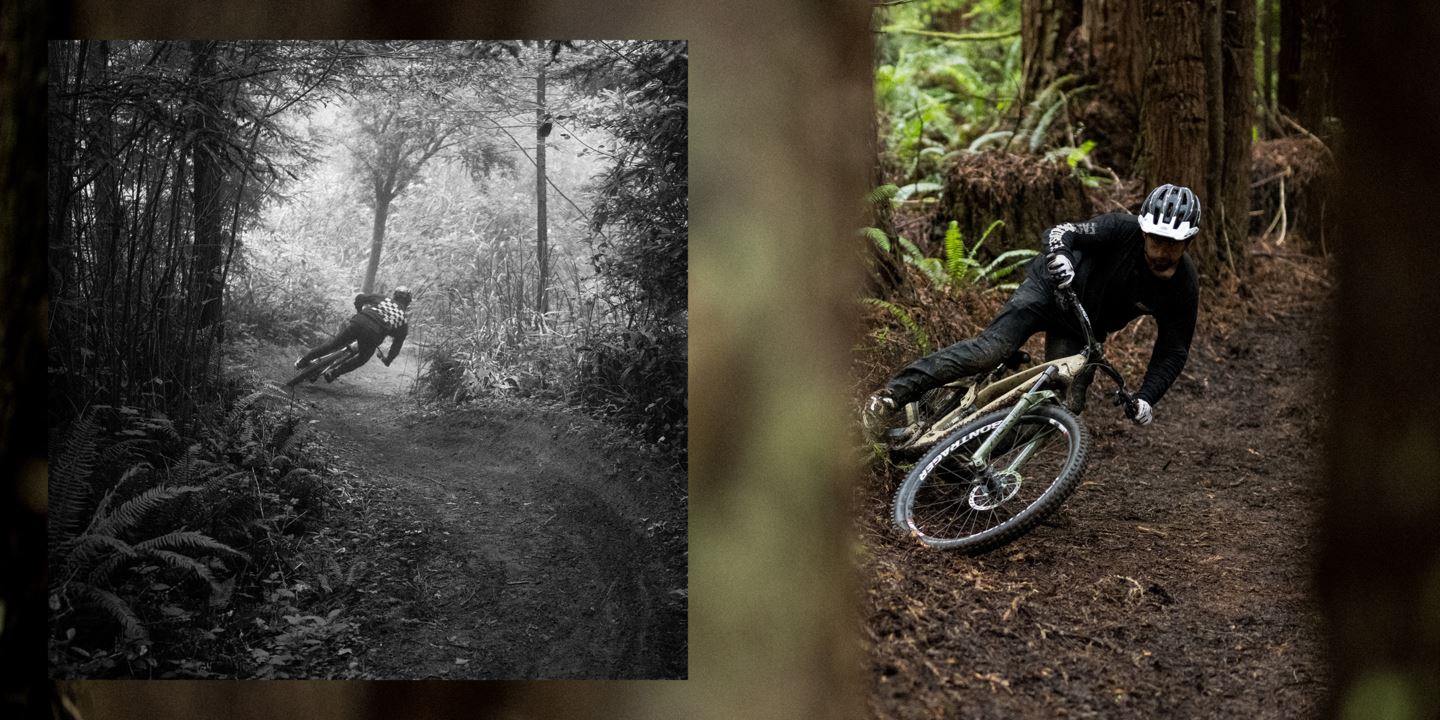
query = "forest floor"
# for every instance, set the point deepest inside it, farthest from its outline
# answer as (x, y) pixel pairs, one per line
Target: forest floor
(508, 539)
(1176, 582)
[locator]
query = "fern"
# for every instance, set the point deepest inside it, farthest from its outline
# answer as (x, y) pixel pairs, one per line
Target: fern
(922, 338)
(188, 541)
(121, 452)
(81, 551)
(955, 265)
(183, 562)
(113, 605)
(131, 517)
(70, 490)
(878, 237)
(881, 195)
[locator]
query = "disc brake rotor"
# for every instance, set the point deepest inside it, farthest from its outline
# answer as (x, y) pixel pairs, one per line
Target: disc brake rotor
(1008, 483)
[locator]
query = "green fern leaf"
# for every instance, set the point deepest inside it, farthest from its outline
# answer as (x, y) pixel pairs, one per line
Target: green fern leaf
(922, 338)
(881, 195)
(955, 264)
(878, 237)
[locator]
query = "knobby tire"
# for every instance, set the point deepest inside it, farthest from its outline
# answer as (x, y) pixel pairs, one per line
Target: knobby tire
(949, 457)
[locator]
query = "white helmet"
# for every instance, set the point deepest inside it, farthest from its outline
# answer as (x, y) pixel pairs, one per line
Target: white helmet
(1171, 211)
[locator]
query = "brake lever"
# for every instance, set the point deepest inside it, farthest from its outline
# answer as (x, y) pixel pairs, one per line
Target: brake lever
(1132, 407)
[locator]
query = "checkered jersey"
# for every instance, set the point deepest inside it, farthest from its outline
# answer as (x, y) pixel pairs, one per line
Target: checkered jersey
(388, 313)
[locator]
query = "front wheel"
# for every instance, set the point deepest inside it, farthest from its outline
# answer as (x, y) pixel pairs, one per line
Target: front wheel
(947, 502)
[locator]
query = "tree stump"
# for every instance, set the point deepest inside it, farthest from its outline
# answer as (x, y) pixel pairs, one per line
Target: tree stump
(1031, 194)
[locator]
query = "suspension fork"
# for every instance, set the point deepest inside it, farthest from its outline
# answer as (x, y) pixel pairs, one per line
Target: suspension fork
(1032, 397)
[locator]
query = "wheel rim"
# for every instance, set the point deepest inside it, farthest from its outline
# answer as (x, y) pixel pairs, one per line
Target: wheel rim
(953, 501)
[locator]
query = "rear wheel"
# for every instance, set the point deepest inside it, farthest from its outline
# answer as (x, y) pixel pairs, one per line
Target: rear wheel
(946, 502)
(314, 369)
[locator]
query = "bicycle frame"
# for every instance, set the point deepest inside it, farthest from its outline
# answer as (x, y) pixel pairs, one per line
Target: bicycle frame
(1025, 389)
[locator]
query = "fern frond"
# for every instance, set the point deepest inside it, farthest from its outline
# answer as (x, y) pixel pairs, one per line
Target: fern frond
(297, 434)
(881, 195)
(70, 489)
(193, 543)
(131, 516)
(121, 451)
(163, 426)
(1037, 138)
(912, 252)
(984, 236)
(922, 338)
(987, 138)
(183, 562)
(955, 264)
(191, 470)
(994, 271)
(103, 574)
(82, 551)
(112, 605)
(878, 237)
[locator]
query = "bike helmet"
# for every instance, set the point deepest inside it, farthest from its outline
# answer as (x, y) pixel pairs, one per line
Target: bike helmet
(401, 295)
(1171, 211)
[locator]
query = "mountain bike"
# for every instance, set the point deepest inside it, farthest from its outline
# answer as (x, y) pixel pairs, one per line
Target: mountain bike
(1002, 450)
(314, 370)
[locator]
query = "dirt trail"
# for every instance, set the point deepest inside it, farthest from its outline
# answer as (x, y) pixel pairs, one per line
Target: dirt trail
(1175, 583)
(538, 542)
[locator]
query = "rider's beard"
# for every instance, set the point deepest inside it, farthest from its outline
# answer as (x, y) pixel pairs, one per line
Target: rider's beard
(1162, 268)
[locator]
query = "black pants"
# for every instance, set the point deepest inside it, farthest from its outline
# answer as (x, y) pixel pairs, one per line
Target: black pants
(360, 328)
(1030, 310)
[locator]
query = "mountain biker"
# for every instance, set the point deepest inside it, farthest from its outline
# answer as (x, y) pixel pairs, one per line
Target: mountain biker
(376, 316)
(1121, 266)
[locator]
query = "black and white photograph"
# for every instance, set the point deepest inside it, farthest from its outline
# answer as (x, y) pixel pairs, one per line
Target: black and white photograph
(367, 359)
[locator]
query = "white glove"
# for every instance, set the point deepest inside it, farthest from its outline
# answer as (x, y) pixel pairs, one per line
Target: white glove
(1061, 270)
(1143, 413)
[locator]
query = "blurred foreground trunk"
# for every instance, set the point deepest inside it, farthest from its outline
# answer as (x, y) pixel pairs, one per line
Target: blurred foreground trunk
(779, 115)
(1380, 566)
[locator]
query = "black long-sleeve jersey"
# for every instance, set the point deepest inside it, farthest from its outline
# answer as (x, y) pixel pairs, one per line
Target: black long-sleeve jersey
(1116, 286)
(391, 317)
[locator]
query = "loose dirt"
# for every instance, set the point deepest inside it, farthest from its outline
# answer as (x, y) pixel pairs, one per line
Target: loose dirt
(1175, 583)
(501, 540)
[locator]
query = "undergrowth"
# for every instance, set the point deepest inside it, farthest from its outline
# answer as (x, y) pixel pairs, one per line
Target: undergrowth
(164, 549)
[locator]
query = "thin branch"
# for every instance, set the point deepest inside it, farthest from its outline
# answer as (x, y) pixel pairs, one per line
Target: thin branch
(955, 37)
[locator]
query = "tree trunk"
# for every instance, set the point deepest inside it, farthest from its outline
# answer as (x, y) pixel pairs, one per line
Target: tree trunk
(1237, 33)
(1317, 48)
(1379, 571)
(1117, 60)
(1175, 142)
(1267, 44)
(1287, 82)
(1045, 29)
(541, 130)
(377, 237)
(209, 213)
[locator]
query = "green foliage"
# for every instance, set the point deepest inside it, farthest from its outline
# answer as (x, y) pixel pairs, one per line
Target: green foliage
(937, 97)
(960, 266)
(922, 338)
